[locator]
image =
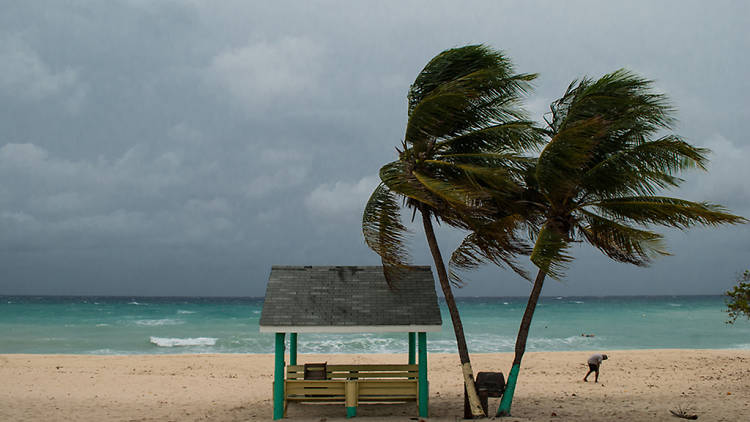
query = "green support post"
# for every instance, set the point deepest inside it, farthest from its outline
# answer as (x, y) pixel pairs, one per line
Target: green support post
(423, 387)
(510, 388)
(412, 348)
(293, 348)
(278, 378)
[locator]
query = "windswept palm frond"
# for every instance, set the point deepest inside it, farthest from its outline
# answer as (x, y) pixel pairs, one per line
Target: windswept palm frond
(620, 242)
(400, 180)
(454, 194)
(612, 115)
(498, 242)
(550, 252)
(559, 164)
(460, 91)
(513, 136)
(476, 176)
(643, 169)
(665, 211)
(384, 233)
(490, 160)
(621, 97)
(456, 63)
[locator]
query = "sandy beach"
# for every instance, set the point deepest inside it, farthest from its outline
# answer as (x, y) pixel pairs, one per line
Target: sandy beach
(634, 385)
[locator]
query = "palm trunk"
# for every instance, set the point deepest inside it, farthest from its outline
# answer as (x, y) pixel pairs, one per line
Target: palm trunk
(458, 328)
(523, 334)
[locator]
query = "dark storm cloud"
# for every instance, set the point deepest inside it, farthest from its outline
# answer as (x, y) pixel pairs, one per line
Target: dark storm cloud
(183, 147)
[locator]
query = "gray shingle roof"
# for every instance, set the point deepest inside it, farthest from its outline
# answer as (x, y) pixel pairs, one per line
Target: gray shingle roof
(349, 299)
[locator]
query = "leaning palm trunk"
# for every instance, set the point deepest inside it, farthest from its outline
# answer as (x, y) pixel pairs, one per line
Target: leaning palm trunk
(523, 334)
(463, 351)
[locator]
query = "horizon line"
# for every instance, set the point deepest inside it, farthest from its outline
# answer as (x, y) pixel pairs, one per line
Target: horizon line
(261, 297)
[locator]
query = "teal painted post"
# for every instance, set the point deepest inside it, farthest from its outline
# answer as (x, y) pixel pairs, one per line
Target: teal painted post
(510, 388)
(293, 348)
(278, 378)
(351, 412)
(412, 348)
(423, 388)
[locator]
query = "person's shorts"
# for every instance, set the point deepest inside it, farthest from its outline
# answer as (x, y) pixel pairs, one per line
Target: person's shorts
(594, 367)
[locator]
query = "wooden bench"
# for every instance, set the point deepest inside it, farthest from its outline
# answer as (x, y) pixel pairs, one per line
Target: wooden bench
(353, 384)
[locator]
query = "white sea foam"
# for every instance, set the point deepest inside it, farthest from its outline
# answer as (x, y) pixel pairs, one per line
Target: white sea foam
(134, 303)
(365, 344)
(107, 351)
(676, 305)
(181, 342)
(500, 344)
(102, 325)
(545, 343)
(180, 311)
(481, 344)
(578, 302)
(156, 322)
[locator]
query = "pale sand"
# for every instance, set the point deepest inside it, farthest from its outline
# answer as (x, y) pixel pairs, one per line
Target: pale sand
(640, 385)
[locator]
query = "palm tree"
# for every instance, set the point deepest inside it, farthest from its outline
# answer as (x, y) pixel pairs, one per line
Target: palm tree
(596, 181)
(464, 128)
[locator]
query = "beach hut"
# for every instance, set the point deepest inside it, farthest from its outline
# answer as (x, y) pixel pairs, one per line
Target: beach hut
(332, 299)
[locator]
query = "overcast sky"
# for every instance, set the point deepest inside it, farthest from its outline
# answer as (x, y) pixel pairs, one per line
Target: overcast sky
(184, 147)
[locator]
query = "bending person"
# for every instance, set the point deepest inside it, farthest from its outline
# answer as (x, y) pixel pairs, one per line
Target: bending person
(595, 361)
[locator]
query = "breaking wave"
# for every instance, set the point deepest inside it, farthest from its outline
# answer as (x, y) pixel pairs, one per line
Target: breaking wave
(155, 322)
(182, 342)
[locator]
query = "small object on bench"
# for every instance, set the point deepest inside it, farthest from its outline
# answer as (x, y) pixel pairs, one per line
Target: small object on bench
(316, 371)
(489, 384)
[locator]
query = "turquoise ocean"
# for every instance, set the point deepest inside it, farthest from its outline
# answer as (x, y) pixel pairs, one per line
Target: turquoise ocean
(140, 325)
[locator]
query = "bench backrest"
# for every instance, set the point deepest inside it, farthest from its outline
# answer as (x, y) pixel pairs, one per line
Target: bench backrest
(343, 372)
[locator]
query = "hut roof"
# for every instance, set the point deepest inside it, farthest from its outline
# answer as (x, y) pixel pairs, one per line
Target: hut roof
(349, 300)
